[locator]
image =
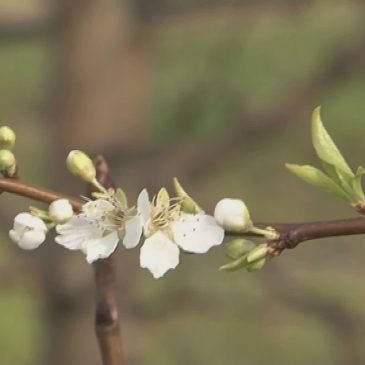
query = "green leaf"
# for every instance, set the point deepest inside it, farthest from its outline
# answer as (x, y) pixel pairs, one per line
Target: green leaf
(356, 184)
(348, 183)
(325, 147)
(121, 197)
(316, 177)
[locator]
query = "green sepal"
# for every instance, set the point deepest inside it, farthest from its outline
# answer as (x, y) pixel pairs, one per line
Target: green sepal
(121, 197)
(40, 213)
(325, 147)
(188, 205)
(316, 177)
(163, 198)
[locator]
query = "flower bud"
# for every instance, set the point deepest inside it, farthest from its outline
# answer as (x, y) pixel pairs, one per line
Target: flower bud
(256, 265)
(258, 253)
(233, 215)
(60, 211)
(7, 163)
(28, 232)
(7, 138)
(80, 164)
(238, 247)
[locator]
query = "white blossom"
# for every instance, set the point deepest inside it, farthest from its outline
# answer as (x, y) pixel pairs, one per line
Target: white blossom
(232, 214)
(28, 231)
(167, 229)
(97, 230)
(60, 211)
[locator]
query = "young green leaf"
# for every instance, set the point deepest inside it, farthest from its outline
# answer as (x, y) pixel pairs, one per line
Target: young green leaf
(356, 184)
(316, 177)
(325, 147)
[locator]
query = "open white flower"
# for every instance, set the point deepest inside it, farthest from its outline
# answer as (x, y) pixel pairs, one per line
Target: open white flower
(167, 229)
(28, 231)
(97, 230)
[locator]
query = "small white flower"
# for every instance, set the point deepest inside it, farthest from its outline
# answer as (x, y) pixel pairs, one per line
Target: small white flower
(28, 231)
(60, 211)
(169, 229)
(232, 214)
(97, 230)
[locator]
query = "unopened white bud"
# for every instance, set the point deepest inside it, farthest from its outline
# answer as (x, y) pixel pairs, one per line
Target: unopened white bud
(7, 138)
(60, 211)
(233, 215)
(80, 164)
(28, 231)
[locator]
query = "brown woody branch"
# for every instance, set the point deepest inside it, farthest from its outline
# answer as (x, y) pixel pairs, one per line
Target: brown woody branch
(291, 234)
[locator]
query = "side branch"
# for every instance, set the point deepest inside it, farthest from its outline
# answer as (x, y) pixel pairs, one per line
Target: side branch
(22, 188)
(292, 234)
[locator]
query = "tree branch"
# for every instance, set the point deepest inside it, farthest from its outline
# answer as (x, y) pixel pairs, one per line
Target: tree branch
(292, 234)
(106, 314)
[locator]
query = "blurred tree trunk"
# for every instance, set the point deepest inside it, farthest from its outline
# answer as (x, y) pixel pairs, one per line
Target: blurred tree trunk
(90, 40)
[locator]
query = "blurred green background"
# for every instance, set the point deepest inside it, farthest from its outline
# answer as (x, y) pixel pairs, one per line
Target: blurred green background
(220, 94)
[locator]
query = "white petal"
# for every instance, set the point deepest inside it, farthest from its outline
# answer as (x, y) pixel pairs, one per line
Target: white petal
(95, 209)
(159, 254)
(23, 220)
(32, 239)
(101, 248)
(133, 231)
(197, 233)
(72, 242)
(74, 233)
(143, 205)
(14, 235)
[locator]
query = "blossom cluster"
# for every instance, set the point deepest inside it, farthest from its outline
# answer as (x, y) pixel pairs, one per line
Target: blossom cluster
(165, 225)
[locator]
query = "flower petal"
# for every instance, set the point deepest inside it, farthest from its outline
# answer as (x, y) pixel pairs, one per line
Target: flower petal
(23, 220)
(100, 248)
(31, 239)
(197, 233)
(133, 231)
(74, 233)
(96, 209)
(159, 254)
(143, 205)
